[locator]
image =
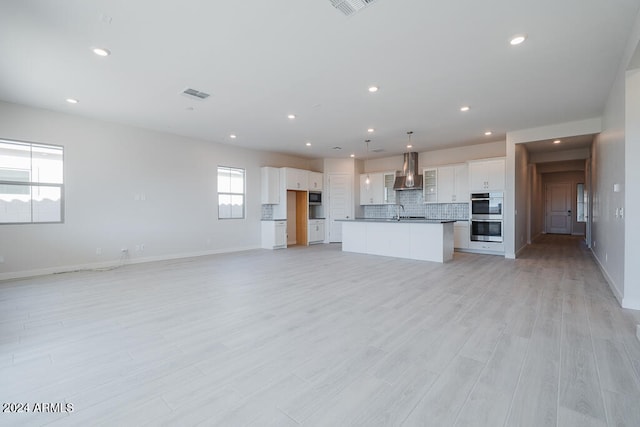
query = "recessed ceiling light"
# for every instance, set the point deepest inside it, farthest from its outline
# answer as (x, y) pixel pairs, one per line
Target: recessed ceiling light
(487, 133)
(465, 108)
(371, 130)
(101, 51)
(373, 89)
(308, 144)
(291, 116)
(72, 101)
(409, 146)
(233, 136)
(352, 155)
(557, 141)
(517, 39)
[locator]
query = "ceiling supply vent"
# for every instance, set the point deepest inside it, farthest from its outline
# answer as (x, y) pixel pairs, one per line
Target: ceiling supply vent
(349, 7)
(192, 93)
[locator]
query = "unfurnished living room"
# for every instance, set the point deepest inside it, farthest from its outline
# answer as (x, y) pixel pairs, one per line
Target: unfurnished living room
(320, 213)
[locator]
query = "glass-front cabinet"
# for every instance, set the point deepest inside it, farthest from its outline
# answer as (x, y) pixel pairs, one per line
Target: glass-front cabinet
(430, 185)
(389, 179)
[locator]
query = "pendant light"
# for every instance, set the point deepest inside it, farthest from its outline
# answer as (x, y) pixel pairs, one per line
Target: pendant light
(367, 181)
(410, 180)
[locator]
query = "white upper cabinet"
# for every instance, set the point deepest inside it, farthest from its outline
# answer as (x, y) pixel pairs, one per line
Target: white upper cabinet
(487, 175)
(453, 184)
(373, 192)
(315, 181)
(380, 190)
(270, 194)
(296, 179)
(462, 183)
(446, 184)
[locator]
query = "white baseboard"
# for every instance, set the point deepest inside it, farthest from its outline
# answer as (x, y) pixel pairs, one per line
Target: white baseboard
(114, 263)
(633, 304)
(609, 280)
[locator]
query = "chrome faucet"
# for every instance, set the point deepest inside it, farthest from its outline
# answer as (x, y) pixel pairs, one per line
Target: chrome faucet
(398, 206)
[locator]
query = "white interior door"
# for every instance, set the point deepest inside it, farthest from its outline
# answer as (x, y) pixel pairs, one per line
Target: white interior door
(558, 208)
(340, 203)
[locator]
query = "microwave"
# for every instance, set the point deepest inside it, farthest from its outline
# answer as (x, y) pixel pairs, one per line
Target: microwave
(315, 197)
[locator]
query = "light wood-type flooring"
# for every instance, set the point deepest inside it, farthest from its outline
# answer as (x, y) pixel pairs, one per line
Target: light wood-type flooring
(313, 336)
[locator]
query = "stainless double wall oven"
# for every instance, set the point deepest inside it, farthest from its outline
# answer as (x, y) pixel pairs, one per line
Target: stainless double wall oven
(486, 217)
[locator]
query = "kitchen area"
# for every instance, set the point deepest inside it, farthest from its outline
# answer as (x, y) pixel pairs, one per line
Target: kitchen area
(435, 210)
(292, 209)
(469, 195)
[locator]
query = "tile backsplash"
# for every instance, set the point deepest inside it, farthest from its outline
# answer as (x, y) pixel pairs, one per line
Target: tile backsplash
(267, 212)
(413, 206)
(413, 203)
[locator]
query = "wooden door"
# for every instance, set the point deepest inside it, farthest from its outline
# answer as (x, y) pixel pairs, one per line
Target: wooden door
(558, 208)
(340, 204)
(302, 217)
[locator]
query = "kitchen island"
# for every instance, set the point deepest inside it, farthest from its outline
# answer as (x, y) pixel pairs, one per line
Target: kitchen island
(419, 239)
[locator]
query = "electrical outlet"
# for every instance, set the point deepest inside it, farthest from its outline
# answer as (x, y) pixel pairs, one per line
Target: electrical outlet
(98, 251)
(606, 257)
(621, 213)
(1, 259)
(142, 246)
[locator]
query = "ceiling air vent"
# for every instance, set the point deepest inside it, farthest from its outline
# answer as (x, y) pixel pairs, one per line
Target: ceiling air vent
(349, 7)
(192, 93)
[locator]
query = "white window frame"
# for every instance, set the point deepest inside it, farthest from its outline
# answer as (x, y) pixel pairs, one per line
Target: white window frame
(33, 185)
(230, 194)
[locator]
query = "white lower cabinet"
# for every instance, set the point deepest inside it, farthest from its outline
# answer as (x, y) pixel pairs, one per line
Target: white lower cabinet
(274, 234)
(493, 247)
(316, 231)
(461, 235)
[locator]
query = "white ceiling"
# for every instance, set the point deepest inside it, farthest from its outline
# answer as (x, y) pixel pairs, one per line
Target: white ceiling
(261, 60)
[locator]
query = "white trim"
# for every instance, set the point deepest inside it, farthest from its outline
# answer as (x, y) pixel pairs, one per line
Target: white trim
(630, 303)
(521, 249)
(610, 281)
(114, 263)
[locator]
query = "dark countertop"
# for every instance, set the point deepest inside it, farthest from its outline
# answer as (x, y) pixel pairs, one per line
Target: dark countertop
(401, 221)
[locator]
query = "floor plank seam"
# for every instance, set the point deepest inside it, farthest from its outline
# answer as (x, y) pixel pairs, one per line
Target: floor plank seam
(598, 367)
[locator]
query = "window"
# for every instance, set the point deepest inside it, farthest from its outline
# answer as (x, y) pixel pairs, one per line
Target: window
(581, 203)
(230, 193)
(31, 183)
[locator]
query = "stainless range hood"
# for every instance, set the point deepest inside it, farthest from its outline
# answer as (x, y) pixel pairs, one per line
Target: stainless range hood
(410, 166)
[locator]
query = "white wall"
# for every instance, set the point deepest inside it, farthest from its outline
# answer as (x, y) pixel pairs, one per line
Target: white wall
(106, 166)
(522, 188)
(632, 192)
(615, 158)
(439, 157)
